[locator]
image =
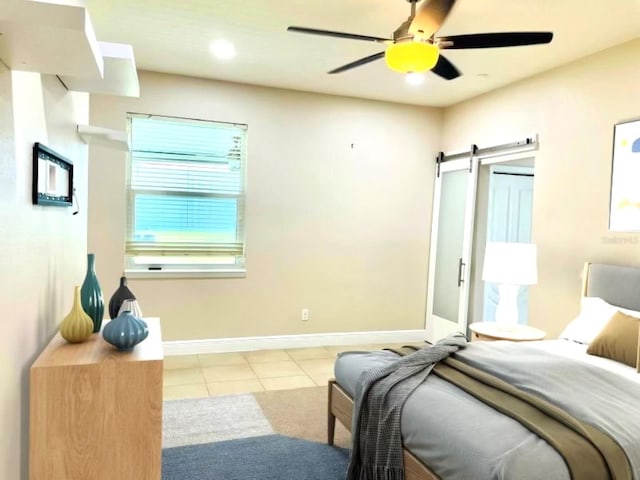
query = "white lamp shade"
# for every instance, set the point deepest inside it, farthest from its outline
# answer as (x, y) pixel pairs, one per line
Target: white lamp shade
(510, 263)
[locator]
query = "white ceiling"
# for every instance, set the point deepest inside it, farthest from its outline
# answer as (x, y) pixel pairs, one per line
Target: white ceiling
(173, 36)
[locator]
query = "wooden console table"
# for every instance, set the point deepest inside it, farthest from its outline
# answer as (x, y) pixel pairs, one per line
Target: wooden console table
(95, 412)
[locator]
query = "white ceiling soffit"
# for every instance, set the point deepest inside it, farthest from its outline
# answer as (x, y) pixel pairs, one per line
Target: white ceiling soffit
(174, 36)
(120, 74)
(46, 37)
(56, 37)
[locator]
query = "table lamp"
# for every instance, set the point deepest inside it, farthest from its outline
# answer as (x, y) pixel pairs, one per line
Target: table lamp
(510, 265)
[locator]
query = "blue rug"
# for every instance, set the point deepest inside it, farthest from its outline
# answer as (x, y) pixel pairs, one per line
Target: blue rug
(269, 457)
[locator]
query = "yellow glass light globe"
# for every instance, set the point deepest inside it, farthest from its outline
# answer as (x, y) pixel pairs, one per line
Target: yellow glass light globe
(405, 57)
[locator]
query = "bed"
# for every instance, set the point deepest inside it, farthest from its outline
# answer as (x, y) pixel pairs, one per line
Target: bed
(450, 435)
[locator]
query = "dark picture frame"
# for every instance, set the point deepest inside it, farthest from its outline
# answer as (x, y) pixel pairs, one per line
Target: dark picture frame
(52, 178)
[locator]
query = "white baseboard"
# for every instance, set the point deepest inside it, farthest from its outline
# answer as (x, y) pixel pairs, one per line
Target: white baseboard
(219, 345)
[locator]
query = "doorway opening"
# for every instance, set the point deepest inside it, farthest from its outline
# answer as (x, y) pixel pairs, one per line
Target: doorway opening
(476, 200)
(508, 219)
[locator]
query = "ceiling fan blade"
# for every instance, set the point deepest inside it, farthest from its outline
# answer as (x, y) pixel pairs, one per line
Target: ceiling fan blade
(357, 63)
(329, 33)
(445, 69)
(494, 40)
(430, 17)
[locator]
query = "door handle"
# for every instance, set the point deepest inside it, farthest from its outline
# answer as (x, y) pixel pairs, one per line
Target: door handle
(461, 266)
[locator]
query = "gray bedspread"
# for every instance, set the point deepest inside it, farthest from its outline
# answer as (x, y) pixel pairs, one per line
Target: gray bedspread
(376, 453)
(460, 438)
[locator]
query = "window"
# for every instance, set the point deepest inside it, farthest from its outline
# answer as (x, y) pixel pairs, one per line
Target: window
(185, 196)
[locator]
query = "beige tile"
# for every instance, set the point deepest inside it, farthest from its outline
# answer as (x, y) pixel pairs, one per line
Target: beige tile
(309, 353)
(321, 379)
(373, 346)
(220, 359)
(262, 356)
(317, 366)
(176, 392)
(287, 383)
(183, 376)
(335, 349)
(277, 369)
(223, 373)
(181, 361)
(234, 386)
(319, 370)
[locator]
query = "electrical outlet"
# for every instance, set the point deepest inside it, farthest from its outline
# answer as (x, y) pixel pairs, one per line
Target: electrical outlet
(305, 314)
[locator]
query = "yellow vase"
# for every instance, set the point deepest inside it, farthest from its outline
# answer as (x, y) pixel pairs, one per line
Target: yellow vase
(77, 326)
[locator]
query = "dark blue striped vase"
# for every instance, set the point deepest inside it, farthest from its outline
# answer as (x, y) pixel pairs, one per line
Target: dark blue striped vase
(91, 294)
(125, 331)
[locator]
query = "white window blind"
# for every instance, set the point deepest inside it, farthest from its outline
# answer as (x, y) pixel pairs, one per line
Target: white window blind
(185, 193)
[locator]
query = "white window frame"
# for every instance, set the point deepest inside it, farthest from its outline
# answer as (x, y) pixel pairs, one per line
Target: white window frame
(179, 266)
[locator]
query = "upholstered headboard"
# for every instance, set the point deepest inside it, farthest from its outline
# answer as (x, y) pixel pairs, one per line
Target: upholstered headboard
(615, 284)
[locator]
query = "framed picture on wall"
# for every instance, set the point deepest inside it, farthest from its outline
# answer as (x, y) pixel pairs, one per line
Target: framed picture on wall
(52, 178)
(624, 209)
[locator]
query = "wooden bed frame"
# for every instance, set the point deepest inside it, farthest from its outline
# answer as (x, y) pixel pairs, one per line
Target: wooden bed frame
(341, 408)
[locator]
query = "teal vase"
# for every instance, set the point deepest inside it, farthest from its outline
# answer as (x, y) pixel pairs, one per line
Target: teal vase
(91, 294)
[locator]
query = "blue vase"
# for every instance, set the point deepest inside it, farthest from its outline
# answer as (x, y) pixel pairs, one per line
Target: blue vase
(125, 331)
(91, 294)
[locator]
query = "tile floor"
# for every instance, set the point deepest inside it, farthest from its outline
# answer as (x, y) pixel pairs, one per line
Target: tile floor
(193, 376)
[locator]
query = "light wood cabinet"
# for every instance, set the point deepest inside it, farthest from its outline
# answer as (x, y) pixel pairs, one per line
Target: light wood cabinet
(95, 412)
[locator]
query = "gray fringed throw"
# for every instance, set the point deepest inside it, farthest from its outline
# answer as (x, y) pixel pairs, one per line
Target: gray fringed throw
(380, 395)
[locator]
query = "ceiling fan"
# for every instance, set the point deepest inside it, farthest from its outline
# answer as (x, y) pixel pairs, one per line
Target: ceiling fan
(415, 48)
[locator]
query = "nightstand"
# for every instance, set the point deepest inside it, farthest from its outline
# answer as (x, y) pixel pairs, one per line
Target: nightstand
(490, 331)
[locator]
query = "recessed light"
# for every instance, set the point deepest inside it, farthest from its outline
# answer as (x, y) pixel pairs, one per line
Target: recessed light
(223, 49)
(414, 78)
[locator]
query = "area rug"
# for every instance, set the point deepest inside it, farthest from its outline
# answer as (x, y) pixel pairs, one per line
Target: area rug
(213, 419)
(300, 413)
(276, 435)
(271, 457)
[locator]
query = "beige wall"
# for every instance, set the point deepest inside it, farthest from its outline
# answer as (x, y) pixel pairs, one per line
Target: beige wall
(43, 249)
(342, 231)
(573, 109)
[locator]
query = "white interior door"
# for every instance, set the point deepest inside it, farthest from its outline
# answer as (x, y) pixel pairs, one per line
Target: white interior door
(509, 220)
(451, 242)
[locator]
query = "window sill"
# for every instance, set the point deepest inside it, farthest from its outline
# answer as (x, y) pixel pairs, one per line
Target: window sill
(148, 274)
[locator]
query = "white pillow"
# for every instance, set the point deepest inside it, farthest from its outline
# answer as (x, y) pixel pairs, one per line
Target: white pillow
(595, 313)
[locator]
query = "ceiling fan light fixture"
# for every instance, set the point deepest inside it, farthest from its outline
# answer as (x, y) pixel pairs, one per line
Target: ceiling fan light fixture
(413, 78)
(410, 56)
(223, 49)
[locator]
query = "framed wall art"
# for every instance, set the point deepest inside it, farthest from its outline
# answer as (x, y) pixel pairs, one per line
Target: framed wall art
(52, 178)
(624, 209)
